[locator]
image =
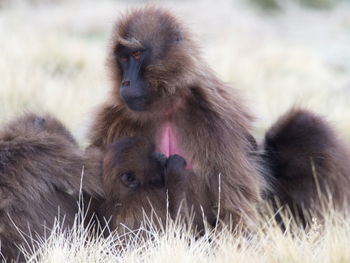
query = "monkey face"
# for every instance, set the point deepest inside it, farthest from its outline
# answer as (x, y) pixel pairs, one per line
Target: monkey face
(134, 90)
(131, 166)
(150, 57)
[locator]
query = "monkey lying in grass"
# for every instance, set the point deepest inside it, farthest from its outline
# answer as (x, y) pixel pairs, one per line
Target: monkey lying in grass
(142, 184)
(310, 164)
(40, 177)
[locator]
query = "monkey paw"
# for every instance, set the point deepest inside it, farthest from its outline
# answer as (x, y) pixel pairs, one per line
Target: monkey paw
(175, 174)
(175, 163)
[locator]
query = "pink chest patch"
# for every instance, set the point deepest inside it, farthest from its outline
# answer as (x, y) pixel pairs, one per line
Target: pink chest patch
(169, 145)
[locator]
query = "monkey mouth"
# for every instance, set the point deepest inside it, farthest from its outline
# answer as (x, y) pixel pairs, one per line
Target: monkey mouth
(134, 99)
(138, 104)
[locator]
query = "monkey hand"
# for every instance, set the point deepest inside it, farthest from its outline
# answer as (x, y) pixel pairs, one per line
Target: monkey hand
(175, 172)
(175, 163)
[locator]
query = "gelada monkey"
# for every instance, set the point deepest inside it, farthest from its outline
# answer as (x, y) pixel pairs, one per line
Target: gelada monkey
(163, 90)
(40, 178)
(309, 163)
(140, 183)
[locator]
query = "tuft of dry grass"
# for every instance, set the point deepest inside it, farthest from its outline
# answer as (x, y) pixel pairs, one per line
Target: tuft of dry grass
(325, 241)
(52, 58)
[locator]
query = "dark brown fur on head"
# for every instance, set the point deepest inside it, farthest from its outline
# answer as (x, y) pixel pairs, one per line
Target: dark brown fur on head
(209, 119)
(302, 148)
(40, 173)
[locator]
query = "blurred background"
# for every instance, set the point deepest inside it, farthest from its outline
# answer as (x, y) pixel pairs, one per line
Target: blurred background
(278, 53)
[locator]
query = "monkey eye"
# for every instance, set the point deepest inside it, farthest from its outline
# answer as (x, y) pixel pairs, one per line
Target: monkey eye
(136, 55)
(129, 180)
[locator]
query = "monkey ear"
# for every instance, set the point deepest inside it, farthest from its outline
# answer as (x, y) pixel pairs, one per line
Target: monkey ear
(130, 180)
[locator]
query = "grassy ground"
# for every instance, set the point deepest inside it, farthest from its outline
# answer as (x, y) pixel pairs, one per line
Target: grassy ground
(322, 242)
(52, 55)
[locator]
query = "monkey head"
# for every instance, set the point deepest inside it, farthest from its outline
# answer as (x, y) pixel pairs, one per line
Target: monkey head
(151, 52)
(34, 125)
(130, 165)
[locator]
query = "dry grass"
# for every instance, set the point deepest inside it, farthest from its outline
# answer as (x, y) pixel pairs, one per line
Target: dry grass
(321, 242)
(52, 59)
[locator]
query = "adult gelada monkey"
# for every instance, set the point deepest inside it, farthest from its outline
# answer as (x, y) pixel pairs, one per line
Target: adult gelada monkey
(40, 180)
(163, 89)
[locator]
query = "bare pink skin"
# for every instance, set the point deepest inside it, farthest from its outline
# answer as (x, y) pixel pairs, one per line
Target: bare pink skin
(168, 143)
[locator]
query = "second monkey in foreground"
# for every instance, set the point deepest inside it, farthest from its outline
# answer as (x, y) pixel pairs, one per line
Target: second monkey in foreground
(141, 185)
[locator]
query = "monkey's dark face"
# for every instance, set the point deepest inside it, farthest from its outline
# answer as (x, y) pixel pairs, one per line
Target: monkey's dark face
(151, 54)
(134, 90)
(130, 166)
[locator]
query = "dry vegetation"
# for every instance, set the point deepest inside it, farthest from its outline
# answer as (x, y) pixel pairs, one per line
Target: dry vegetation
(52, 56)
(322, 242)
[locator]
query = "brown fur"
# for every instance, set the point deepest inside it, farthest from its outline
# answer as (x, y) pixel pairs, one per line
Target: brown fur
(185, 203)
(125, 206)
(212, 123)
(163, 190)
(300, 147)
(40, 172)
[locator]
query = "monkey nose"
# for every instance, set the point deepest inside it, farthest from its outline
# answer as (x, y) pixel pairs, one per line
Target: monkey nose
(126, 83)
